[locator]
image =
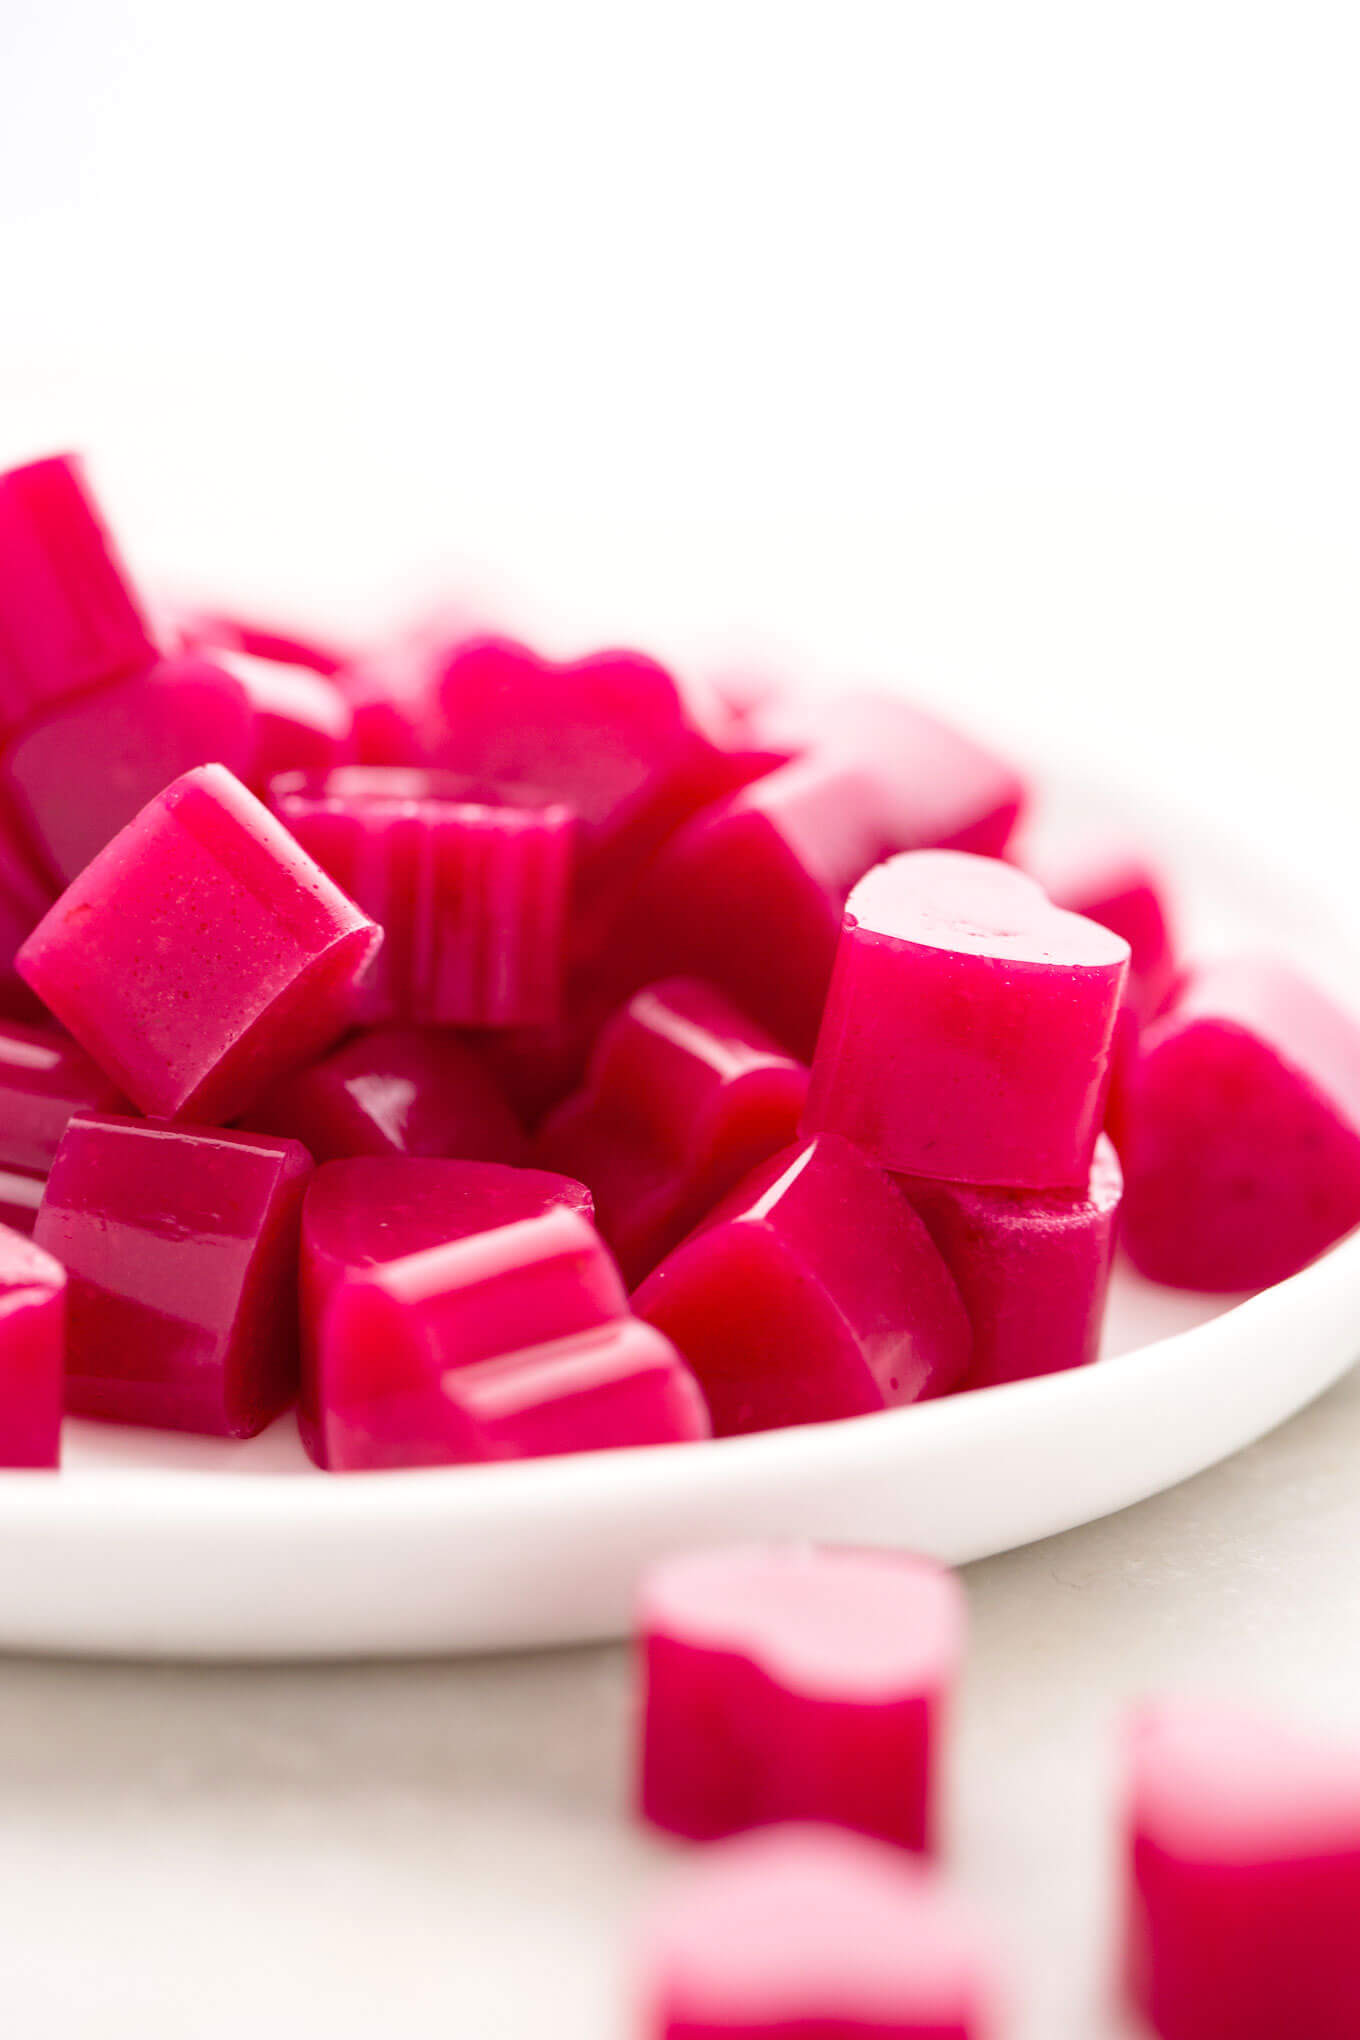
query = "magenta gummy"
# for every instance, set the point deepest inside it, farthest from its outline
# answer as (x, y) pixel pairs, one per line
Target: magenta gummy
(468, 881)
(804, 1933)
(180, 1246)
(45, 1078)
(1240, 1130)
(968, 1026)
(201, 954)
(223, 631)
(813, 1291)
(619, 1384)
(390, 1335)
(610, 735)
(393, 1091)
(785, 1682)
(83, 771)
(1244, 1877)
(361, 1214)
(1112, 882)
(1032, 1267)
(749, 895)
(68, 616)
(685, 1096)
(935, 787)
(25, 896)
(32, 1353)
(301, 722)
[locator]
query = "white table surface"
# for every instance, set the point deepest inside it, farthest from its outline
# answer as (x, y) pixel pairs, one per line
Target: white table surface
(1012, 350)
(435, 1849)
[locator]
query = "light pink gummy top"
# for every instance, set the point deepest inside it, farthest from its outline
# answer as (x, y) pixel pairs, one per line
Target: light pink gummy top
(800, 1923)
(852, 1624)
(976, 906)
(1221, 1783)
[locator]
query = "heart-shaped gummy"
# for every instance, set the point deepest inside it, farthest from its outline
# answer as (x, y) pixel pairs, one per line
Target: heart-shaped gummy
(812, 1291)
(365, 1212)
(1239, 1129)
(803, 1932)
(792, 1683)
(968, 1026)
(1244, 1877)
(610, 734)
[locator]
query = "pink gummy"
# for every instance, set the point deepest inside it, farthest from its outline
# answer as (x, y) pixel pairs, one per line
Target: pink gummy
(749, 895)
(223, 631)
(393, 1091)
(361, 1214)
(1244, 1877)
(685, 1096)
(32, 1353)
(25, 896)
(787, 1682)
(20, 1196)
(804, 1933)
(934, 786)
(45, 1078)
(201, 954)
(968, 1026)
(301, 722)
(610, 735)
(537, 1067)
(390, 1335)
(393, 689)
(619, 1384)
(181, 1246)
(83, 771)
(813, 1291)
(468, 881)
(1240, 1130)
(68, 616)
(1032, 1267)
(1113, 882)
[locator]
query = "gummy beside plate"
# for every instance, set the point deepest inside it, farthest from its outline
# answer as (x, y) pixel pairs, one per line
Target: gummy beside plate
(155, 1545)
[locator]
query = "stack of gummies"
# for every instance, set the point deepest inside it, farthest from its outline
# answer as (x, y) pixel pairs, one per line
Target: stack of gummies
(503, 1057)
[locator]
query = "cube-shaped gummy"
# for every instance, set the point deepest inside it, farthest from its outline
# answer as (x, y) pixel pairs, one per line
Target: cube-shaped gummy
(201, 954)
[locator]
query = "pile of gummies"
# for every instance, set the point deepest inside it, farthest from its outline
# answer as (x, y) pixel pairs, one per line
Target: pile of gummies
(498, 1056)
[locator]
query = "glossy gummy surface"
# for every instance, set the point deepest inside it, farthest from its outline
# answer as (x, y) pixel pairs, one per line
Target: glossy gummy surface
(1240, 1128)
(1032, 1267)
(748, 896)
(393, 1091)
(684, 1097)
(804, 1933)
(813, 1291)
(180, 1246)
(968, 1026)
(787, 1682)
(201, 954)
(32, 1353)
(616, 1385)
(469, 882)
(1243, 1874)
(361, 1214)
(45, 1077)
(69, 618)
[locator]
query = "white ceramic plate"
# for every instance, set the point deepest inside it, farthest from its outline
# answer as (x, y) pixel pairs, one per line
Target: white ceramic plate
(153, 1545)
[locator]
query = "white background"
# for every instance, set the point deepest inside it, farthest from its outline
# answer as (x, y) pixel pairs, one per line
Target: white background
(1012, 349)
